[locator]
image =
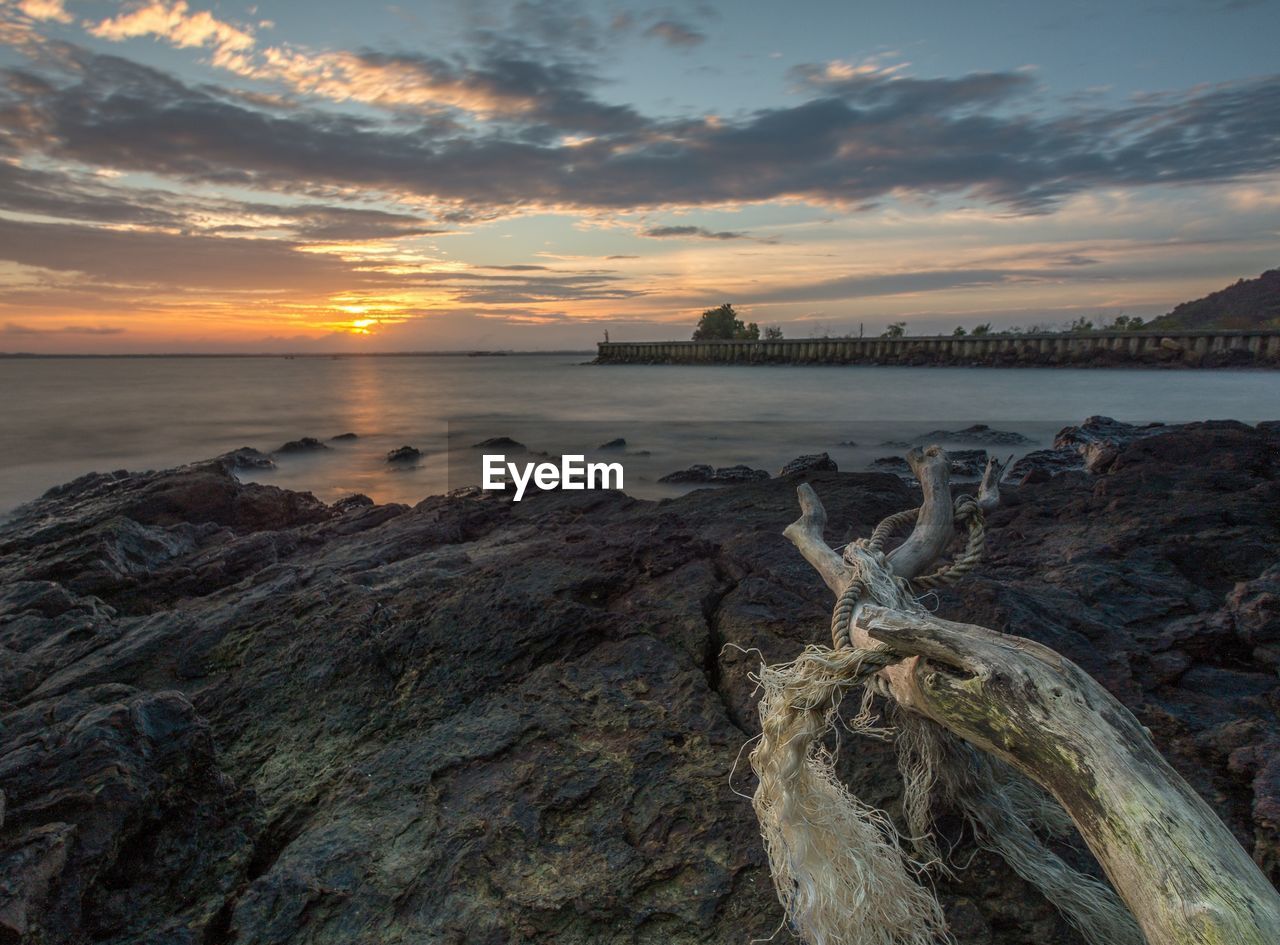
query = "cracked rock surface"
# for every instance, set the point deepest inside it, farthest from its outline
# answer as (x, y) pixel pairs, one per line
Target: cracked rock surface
(233, 714)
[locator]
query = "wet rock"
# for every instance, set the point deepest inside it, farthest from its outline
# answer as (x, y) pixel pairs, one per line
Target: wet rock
(810, 462)
(977, 433)
(499, 442)
(246, 457)
(404, 454)
(619, 443)
(724, 475)
(308, 444)
(345, 436)
(231, 713)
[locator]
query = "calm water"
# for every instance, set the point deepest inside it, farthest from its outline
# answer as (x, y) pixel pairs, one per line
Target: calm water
(62, 418)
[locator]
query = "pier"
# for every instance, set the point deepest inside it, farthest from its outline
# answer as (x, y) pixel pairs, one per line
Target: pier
(1212, 348)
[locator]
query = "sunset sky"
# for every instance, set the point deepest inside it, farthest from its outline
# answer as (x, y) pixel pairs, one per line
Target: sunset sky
(444, 174)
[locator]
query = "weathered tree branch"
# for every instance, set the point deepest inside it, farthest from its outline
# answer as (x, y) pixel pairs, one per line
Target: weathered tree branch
(933, 530)
(806, 534)
(1180, 871)
(989, 488)
(1177, 867)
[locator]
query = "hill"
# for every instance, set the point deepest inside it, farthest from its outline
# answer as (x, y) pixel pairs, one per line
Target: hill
(1250, 303)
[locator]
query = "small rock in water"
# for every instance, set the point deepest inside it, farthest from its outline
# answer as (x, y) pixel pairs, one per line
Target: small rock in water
(307, 444)
(499, 442)
(810, 462)
(246, 457)
(891, 464)
(617, 444)
(404, 454)
(345, 436)
(704, 473)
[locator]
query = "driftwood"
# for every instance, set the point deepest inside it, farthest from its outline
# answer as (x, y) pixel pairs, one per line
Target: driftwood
(1175, 865)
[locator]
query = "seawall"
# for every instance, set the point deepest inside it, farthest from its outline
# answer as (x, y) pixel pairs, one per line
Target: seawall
(1201, 349)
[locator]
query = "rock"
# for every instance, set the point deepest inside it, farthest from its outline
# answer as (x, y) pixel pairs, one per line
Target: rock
(308, 444)
(499, 442)
(977, 433)
(1035, 474)
(231, 713)
(1270, 427)
(349, 503)
(810, 462)
(617, 444)
(893, 464)
(725, 475)
(847, 443)
(404, 454)
(965, 464)
(246, 457)
(345, 436)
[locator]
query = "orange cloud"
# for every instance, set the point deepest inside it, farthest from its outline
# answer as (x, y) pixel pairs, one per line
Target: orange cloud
(176, 22)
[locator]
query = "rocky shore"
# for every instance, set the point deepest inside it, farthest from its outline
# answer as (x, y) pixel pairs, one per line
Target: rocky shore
(233, 714)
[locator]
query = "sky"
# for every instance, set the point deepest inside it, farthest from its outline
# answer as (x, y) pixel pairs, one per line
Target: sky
(184, 176)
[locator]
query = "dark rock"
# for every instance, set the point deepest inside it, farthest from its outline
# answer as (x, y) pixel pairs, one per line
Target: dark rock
(893, 464)
(810, 462)
(617, 444)
(967, 464)
(977, 433)
(308, 444)
(230, 713)
(1270, 427)
(499, 442)
(725, 475)
(246, 457)
(345, 436)
(1034, 474)
(355, 501)
(404, 454)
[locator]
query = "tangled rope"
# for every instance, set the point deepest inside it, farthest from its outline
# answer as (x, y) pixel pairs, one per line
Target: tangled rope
(967, 513)
(837, 863)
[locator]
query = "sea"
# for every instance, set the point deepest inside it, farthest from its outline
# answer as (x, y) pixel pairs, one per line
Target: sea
(63, 417)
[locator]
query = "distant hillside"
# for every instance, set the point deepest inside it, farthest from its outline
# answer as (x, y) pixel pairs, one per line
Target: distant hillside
(1250, 303)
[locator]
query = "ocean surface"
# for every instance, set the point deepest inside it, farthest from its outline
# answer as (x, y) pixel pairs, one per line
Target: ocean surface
(61, 418)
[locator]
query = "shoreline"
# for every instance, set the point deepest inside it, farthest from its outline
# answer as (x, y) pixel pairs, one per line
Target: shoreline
(218, 696)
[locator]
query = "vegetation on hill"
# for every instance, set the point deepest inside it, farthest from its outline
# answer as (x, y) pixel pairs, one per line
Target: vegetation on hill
(1250, 303)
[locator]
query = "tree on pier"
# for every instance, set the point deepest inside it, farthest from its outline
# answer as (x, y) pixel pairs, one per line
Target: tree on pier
(723, 324)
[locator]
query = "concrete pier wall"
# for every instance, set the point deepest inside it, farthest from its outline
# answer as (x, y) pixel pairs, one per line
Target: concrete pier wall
(1240, 348)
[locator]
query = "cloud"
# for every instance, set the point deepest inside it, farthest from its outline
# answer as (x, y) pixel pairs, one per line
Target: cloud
(676, 34)
(180, 261)
(12, 328)
(698, 232)
(48, 10)
(176, 22)
(868, 137)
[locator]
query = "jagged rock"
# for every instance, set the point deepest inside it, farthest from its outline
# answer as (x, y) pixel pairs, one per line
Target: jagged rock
(308, 444)
(404, 454)
(977, 433)
(810, 462)
(725, 475)
(231, 713)
(499, 442)
(345, 436)
(246, 457)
